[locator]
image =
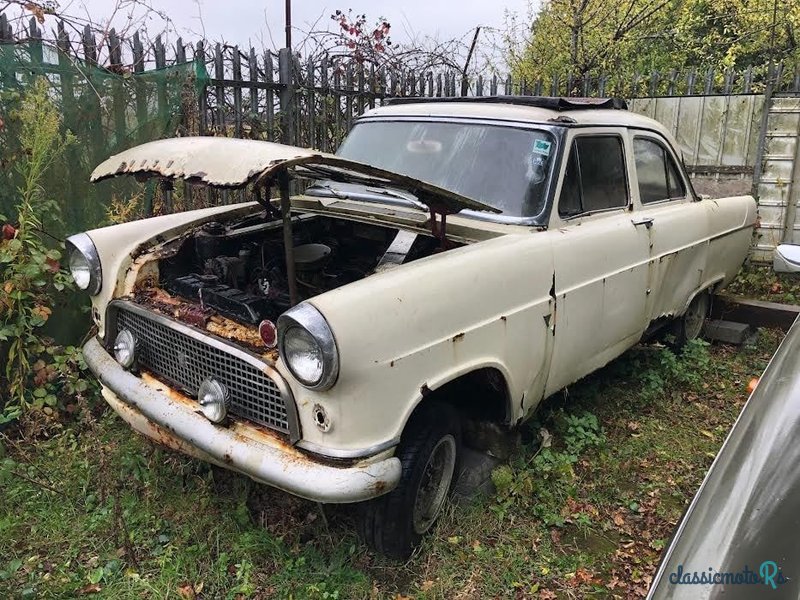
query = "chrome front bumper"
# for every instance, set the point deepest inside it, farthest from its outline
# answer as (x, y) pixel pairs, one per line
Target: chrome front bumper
(170, 419)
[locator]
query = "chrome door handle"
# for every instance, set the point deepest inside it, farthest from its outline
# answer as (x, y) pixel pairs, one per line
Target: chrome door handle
(646, 221)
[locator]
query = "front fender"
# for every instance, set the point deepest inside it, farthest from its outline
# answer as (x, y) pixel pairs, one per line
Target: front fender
(408, 331)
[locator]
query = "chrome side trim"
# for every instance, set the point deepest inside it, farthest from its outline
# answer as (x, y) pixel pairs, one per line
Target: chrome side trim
(216, 342)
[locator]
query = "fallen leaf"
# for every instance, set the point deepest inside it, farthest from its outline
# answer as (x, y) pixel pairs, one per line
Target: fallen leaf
(92, 588)
(545, 437)
(186, 591)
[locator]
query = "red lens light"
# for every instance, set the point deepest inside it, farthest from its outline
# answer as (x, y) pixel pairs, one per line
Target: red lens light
(268, 333)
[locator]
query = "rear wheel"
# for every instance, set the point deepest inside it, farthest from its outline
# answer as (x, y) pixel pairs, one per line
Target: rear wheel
(690, 325)
(429, 451)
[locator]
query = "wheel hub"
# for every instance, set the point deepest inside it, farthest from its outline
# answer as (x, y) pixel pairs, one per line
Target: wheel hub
(434, 484)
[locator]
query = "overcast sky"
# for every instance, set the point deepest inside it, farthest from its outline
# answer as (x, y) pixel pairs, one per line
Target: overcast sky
(244, 22)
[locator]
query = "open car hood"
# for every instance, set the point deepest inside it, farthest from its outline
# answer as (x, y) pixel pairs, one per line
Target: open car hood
(235, 163)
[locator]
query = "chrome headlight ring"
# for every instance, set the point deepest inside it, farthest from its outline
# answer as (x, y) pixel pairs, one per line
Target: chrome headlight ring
(308, 321)
(84, 263)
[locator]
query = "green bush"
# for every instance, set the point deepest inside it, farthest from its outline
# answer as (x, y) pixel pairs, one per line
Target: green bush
(544, 482)
(38, 374)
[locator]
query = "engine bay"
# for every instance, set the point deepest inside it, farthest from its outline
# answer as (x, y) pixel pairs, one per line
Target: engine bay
(238, 269)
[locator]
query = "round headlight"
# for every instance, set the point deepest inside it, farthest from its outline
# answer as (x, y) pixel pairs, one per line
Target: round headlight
(125, 348)
(303, 355)
(307, 346)
(213, 399)
(84, 263)
(79, 267)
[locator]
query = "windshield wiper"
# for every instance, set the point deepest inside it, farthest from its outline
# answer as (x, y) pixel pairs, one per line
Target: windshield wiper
(392, 194)
(333, 191)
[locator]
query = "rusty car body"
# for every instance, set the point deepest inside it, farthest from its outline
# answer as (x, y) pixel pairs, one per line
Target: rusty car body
(454, 260)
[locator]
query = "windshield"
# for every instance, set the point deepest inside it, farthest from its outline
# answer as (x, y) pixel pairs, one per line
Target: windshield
(502, 166)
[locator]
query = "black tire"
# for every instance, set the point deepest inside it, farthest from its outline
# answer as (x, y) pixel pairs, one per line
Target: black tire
(689, 326)
(388, 524)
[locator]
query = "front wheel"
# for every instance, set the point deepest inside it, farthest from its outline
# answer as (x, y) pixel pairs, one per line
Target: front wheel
(394, 524)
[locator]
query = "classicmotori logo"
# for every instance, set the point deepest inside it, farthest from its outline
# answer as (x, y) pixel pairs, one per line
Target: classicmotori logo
(768, 574)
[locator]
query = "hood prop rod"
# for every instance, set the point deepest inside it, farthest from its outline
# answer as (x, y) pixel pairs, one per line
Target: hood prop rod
(288, 243)
(439, 230)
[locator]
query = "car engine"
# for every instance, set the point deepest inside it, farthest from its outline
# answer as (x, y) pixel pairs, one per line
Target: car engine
(238, 270)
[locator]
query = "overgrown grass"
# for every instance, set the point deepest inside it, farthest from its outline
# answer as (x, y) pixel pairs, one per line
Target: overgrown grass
(96, 509)
(762, 283)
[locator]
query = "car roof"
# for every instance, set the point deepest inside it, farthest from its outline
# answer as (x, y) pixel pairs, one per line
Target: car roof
(500, 111)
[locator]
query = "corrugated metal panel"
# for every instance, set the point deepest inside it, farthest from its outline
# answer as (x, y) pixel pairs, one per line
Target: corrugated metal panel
(779, 185)
(712, 131)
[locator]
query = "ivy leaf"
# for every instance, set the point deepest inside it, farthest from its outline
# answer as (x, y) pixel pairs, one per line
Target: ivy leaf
(95, 575)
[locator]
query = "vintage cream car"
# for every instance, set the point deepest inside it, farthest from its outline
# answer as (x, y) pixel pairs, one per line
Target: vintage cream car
(453, 262)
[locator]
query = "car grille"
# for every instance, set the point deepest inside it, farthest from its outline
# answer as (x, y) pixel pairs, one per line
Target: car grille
(185, 360)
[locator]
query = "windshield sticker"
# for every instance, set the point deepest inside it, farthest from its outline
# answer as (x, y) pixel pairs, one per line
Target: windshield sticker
(542, 147)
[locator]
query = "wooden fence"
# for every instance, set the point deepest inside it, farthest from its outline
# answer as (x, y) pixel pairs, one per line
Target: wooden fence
(280, 97)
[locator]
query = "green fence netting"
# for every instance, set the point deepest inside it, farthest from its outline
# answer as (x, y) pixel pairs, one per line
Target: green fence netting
(106, 112)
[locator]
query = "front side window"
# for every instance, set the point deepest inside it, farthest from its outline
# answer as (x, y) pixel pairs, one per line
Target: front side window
(656, 171)
(505, 167)
(595, 176)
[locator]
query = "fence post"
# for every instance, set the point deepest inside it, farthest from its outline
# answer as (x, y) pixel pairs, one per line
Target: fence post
(286, 79)
(219, 90)
(311, 109)
(5, 29)
(6, 51)
(115, 60)
(673, 78)
(202, 105)
(141, 99)
(35, 43)
(180, 51)
(252, 65)
(348, 100)
(237, 93)
(748, 80)
(269, 77)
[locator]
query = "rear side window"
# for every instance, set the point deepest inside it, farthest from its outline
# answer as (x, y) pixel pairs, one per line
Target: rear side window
(656, 171)
(595, 176)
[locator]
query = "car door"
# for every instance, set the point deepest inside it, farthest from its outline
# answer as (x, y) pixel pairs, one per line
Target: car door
(601, 257)
(678, 225)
